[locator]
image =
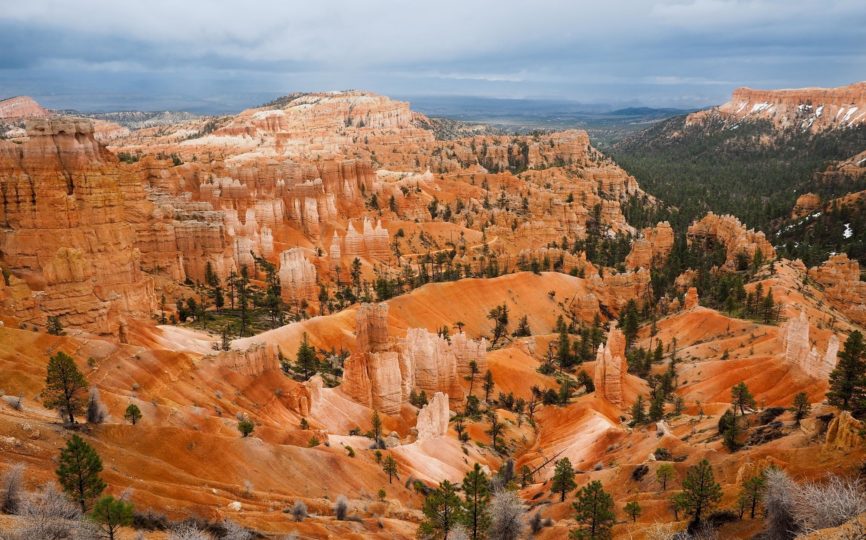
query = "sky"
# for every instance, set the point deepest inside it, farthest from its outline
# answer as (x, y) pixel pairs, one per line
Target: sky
(217, 56)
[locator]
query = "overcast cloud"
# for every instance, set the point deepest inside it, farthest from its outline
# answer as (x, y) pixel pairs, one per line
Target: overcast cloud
(219, 56)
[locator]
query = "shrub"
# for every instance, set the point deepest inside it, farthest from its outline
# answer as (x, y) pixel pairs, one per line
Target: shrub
(299, 511)
(663, 454)
(188, 531)
(11, 491)
(48, 514)
(95, 409)
(246, 426)
(233, 531)
(821, 506)
(341, 507)
(779, 504)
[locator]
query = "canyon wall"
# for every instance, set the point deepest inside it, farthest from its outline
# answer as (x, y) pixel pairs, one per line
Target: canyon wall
(66, 232)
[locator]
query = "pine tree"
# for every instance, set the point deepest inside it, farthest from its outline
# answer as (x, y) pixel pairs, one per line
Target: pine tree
(563, 349)
(488, 385)
(657, 406)
(442, 511)
(389, 466)
(848, 379)
(66, 387)
(78, 472)
(801, 407)
(752, 491)
(700, 490)
(664, 473)
(741, 398)
(563, 478)
(132, 414)
(476, 495)
(638, 414)
(307, 363)
(376, 424)
(594, 508)
(633, 509)
(111, 514)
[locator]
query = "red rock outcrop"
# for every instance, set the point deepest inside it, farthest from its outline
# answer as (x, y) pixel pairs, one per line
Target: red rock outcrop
(727, 230)
(297, 276)
(690, 301)
(812, 109)
(65, 227)
(800, 352)
(382, 372)
(433, 418)
(805, 205)
(840, 277)
(652, 248)
(844, 432)
(611, 367)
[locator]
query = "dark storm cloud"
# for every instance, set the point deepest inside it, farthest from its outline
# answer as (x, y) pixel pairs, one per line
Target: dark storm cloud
(221, 55)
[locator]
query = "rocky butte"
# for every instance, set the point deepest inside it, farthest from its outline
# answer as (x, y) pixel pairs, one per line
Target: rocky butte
(813, 109)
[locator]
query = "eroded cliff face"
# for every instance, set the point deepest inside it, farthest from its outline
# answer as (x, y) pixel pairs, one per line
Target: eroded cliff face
(813, 109)
(728, 231)
(840, 277)
(382, 372)
(66, 231)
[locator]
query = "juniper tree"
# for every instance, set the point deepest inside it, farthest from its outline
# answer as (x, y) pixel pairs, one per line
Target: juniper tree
(66, 387)
(78, 472)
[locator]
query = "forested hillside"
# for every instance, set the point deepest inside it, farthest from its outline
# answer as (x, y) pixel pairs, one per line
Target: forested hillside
(750, 169)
